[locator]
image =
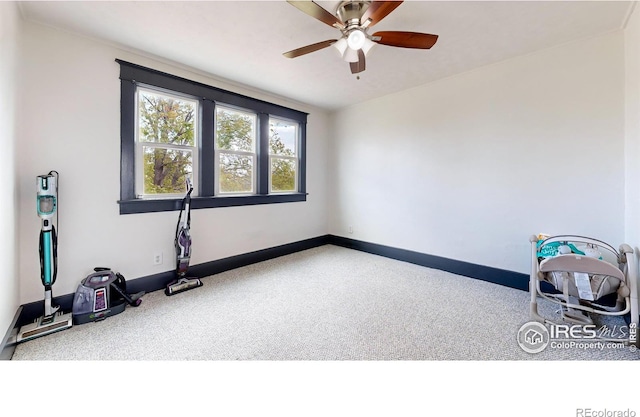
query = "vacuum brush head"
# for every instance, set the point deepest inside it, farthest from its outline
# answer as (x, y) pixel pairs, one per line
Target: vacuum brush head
(44, 326)
(182, 285)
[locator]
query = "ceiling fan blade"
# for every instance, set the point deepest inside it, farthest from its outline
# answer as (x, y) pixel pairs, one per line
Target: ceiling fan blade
(314, 10)
(377, 11)
(406, 39)
(359, 66)
(309, 48)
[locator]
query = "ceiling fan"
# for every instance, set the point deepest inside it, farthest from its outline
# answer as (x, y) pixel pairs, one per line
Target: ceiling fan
(354, 19)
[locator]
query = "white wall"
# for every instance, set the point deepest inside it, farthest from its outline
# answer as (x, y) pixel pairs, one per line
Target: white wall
(9, 56)
(71, 123)
(632, 126)
(469, 167)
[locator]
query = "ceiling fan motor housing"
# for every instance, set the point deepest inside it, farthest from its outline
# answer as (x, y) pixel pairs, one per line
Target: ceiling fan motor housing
(350, 12)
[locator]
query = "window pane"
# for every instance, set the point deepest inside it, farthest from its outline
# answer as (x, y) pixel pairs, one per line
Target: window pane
(236, 173)
(235, 130)
(282, 137)
(283, 174)
(166, 119)
(166, 170)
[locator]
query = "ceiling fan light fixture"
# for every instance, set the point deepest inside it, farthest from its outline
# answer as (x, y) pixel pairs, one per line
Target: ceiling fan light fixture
(356, 39)
(341, 45)
(351, 55)
(368, 44)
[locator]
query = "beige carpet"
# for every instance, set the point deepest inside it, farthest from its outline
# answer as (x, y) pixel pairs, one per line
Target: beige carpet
(327, 303)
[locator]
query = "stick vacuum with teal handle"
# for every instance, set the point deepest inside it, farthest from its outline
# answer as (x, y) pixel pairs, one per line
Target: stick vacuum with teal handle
(47, 205)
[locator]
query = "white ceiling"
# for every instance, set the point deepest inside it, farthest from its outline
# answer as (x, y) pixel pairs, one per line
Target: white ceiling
(243, 41)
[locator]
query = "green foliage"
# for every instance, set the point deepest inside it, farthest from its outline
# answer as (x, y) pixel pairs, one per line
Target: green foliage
(283, 174)
(164, 120)
(236, 173)
(276, 145)
(166, 170)
(234, 132)
(283, 170)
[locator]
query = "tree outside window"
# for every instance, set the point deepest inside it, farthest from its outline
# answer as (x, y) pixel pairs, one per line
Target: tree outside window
(235, 150)
(283, 138)
(167, 142)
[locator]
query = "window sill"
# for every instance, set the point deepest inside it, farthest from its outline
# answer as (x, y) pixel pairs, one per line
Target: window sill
(171, 204)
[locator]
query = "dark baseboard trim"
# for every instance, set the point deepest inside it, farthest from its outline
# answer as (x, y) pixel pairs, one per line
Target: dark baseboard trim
(8, 345)
(160, 281)
(485, 273)
(150, 283)
(29, 312)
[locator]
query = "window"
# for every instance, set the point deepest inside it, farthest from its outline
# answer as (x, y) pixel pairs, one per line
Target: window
(235, 144)
(283, 160)
(236, 150)
(166, 144)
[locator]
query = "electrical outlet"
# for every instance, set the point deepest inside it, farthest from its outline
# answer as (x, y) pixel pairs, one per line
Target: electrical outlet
(157, 258)
(350, 229)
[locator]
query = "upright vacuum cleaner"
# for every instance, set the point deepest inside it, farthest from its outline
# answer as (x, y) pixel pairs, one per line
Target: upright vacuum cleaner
(182, 245)
(47, 205)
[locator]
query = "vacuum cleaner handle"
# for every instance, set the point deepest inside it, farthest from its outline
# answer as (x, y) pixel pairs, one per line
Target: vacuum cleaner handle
(134, 300)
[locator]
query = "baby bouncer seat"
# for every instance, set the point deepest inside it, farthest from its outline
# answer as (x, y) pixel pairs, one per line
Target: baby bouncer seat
(585, 277)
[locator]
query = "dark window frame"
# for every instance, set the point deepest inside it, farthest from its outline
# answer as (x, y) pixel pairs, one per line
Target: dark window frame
(132, 75)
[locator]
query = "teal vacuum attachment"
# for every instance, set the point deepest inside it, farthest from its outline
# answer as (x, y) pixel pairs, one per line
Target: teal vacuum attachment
(53, 320)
